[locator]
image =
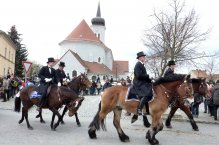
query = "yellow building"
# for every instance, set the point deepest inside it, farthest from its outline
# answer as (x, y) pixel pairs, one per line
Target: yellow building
(7, 54)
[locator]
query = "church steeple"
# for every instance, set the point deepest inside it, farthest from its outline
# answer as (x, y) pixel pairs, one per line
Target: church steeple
(98, 25)
(98, 20)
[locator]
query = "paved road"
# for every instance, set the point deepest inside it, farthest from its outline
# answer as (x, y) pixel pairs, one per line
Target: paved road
(12, 133)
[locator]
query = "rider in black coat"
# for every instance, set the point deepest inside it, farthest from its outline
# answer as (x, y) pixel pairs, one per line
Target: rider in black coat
(60, 72)
(170, 70)
(48, 76)
(142, 83)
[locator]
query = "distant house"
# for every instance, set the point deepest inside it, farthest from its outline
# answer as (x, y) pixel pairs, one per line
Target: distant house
(199, 74)
(214, 77)
(7, 54)
(84, 51)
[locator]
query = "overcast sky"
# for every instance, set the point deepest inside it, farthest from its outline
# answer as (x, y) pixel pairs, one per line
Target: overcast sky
(45, 23)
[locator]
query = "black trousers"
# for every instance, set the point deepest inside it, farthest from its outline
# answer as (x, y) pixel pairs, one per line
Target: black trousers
(43, 90)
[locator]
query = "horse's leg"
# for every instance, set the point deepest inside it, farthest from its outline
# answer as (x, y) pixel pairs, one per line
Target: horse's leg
(170, 116)
(63, 113)
(22, 117)
(52, 121)
(134, 118)
(157, 126)
(77, 120)
(190, 116)
(25, 113)
(56, 112)
(146, 122)
(98, 119)
(116, 121)
(41, 117)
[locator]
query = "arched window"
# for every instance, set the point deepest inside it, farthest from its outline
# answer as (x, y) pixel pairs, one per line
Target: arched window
(99, 59)
(98, 36)
(104, 77)
(74, 73)
(93, 78)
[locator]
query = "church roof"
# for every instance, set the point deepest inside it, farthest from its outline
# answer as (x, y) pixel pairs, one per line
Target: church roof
(92, 67)
(120, 67)
(82, 32)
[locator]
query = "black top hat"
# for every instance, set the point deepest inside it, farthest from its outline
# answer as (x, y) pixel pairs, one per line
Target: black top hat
(51, 59)
(139, 54)
(171, 62)
(62, 64)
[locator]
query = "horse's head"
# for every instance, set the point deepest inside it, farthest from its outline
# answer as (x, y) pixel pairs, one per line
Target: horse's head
(85, 81)
(74, 105)
(65, 82)
(185, 89)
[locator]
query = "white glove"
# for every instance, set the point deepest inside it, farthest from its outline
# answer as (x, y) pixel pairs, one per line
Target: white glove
(59, 84)
(48, 80)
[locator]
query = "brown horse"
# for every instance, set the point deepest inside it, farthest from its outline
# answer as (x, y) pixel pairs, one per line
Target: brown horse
(113, 99)
(199, 86)
(57, 96)
(77, 84)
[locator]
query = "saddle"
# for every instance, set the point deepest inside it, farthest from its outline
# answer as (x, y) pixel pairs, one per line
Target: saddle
(38, 95)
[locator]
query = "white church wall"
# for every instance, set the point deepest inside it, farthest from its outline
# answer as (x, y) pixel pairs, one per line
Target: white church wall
(71, 63)
(109, 60)
(88, 51)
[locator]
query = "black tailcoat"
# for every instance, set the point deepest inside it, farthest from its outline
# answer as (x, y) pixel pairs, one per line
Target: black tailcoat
(61, 75)
(169, 72)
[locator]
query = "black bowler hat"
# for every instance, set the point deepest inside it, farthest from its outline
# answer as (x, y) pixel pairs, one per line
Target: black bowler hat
(62, 64)
(51, 59)
(171, 62)
(139, 54)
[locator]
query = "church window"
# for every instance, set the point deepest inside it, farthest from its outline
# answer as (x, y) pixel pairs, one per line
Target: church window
(93, 78)
(74, 73)
(104, 77)
(99, 59)
(98, 36)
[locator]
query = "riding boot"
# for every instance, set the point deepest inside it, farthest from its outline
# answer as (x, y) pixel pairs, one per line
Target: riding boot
(141, 105)
(147, 108)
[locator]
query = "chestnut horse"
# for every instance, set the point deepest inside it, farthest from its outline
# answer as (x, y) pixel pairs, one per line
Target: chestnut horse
(113, 99)
(57, 96)
(199, 86)
(77, 84)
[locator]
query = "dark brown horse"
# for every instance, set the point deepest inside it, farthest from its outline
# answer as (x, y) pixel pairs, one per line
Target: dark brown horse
(199, 86)
(57, 97)
(113, 99)
(77, 84)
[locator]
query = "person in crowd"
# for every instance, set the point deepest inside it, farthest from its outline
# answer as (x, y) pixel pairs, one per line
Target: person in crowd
(98, 78)
(107, 84)
(48, 76)
(111, 79)
(60, 72)
(99, 86)
(142, 83)
(216, 99)
(5, 86)
(198, 99)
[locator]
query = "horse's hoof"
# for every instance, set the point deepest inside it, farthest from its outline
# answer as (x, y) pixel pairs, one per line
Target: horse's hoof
(20, 121)
(42, 121)
(92, 134)
(196, 129)
(148, 136)
(53, 129)
(62, 122)
(79, 125)
(169, 126)
(124, 138)
(38, 116)
(30, 128)
(56, 125)
(147, 124)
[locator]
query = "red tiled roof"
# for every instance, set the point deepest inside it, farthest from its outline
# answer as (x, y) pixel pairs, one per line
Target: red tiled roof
(215, 76)
(120, 66)
(82, 32)
(93, 67)
(98, 68)
(199, 73)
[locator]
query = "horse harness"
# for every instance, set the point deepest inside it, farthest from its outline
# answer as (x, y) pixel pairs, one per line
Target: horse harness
(174, 97)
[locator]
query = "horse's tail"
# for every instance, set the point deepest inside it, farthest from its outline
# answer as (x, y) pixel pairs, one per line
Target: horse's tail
(95, 123)
(17, 104)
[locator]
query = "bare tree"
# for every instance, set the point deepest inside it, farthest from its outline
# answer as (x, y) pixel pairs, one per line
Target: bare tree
(174, 36)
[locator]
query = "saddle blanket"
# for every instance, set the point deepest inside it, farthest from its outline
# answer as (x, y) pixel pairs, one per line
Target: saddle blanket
(133, 97)
(35, 94)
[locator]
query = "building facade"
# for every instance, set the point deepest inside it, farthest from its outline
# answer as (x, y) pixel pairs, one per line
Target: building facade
(7, 54)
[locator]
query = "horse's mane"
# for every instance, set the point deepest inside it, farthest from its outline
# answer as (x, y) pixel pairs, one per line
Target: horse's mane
(195, 80)
(67, 91)
(171, 78)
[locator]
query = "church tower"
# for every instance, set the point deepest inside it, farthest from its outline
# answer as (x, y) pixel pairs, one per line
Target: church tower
(98, 25)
